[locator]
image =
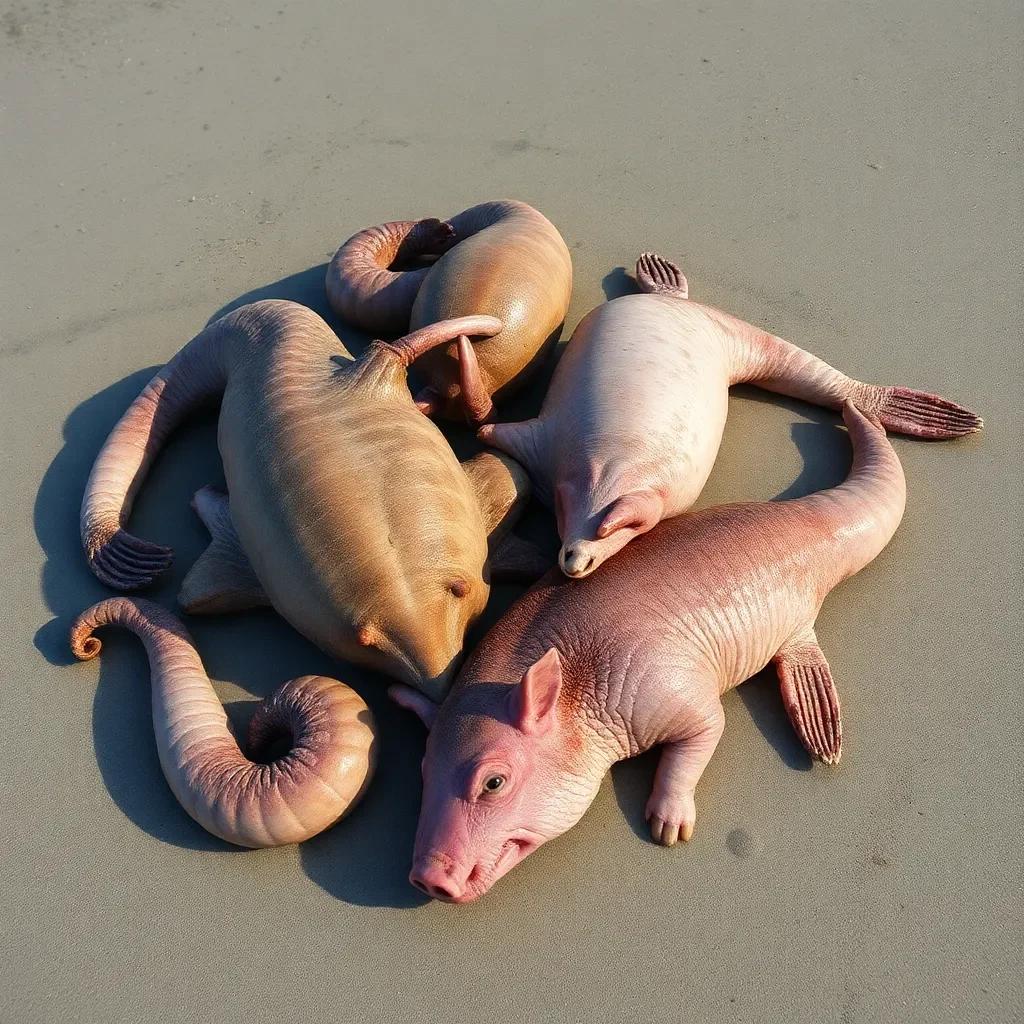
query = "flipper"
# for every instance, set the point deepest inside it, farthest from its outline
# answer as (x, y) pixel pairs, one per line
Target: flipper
(523, 441)
(221, 580)
(658, 276)
(777, 365)
(502, 490)
(810, 696)
(920, 414)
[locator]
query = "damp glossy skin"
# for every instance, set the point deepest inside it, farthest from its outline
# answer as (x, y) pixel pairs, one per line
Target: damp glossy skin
(504, 259)
(634, 417)
(580, 674)
(348, 511)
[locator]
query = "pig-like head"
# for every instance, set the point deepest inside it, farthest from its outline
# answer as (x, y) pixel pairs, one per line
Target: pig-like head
(598, 518)
(507, 768)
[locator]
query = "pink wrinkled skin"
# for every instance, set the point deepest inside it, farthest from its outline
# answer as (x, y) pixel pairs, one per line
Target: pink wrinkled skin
(580, 674)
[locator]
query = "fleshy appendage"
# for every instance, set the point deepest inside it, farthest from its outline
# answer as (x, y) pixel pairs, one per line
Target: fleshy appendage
(318, 780)
(919, 413)
(659, 276)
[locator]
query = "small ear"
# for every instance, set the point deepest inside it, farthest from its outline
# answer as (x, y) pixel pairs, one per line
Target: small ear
(532, 700)
(412, 700)
(639, 510)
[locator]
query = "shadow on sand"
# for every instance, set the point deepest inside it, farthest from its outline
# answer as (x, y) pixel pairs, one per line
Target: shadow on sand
(365, 859)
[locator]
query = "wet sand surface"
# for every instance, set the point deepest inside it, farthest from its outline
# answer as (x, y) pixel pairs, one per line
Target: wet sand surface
(846, 175)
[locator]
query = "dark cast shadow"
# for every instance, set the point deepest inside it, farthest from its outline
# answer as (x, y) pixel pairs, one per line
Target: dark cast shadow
(619, 282)
(365, 858)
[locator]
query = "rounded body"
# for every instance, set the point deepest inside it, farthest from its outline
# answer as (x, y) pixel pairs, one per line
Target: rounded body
(639, 400)
(358, 519)
(510, 262)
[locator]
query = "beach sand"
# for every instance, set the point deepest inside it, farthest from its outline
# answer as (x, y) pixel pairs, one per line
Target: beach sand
(845, 175)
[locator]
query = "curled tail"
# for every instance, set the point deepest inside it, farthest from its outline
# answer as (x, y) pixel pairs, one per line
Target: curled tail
(776, 365)
(254, 803)
(196, 375)
(364, 290)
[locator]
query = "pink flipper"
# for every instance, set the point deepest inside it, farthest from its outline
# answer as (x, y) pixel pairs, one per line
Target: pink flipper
(522, 440)
(127, 562)
(809, 694)
(922, 415)
(659, 276)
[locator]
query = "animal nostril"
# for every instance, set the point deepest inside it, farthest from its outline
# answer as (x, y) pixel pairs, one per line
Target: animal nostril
(439, 892)
(419, 885)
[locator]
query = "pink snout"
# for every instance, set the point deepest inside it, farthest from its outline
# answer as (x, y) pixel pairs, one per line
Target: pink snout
(441, 878)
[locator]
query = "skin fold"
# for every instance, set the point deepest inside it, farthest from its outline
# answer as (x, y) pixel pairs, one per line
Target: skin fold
(347, 510)
(504, 259)
(634, 417)
(264, 802)
(580, 674)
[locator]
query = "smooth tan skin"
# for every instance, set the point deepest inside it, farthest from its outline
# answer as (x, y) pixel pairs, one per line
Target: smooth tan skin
(504, 259)
(579, 674)
(327, 768)
(349, 512)
(634, 417)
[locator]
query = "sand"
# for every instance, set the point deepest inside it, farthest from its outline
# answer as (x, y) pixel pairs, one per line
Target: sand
(843, 174)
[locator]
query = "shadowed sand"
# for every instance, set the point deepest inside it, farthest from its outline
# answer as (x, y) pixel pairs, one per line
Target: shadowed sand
(843, 175)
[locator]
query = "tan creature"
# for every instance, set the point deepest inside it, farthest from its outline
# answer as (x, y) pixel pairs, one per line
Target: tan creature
(502, 258)
(347, 509)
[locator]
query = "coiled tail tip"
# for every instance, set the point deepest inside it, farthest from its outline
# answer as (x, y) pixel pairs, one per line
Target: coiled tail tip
(84, 645)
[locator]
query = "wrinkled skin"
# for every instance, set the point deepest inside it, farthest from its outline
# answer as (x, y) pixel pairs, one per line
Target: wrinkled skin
(332, 748)
(347, 509)
(634, 417)
(580, 674)
(503, 258)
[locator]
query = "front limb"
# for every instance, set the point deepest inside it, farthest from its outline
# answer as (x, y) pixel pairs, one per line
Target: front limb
(671, 809)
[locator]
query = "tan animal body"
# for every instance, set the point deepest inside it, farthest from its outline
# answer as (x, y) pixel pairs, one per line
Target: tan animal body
(504, 259)
(347, 509)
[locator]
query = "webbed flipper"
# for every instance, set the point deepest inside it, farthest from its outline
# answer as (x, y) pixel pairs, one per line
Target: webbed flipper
(659, 276)
(810, 696)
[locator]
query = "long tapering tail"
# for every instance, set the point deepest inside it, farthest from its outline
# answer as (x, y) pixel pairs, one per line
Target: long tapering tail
(777, 365)
(196, 375)
(364, 290)
(867, 507)
(331, 731)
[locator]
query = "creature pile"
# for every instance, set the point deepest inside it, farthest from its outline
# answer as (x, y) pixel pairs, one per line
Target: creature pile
(348, 512)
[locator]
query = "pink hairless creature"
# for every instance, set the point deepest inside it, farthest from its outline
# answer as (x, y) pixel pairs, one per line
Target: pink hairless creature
(580, 674)
(631, 424)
